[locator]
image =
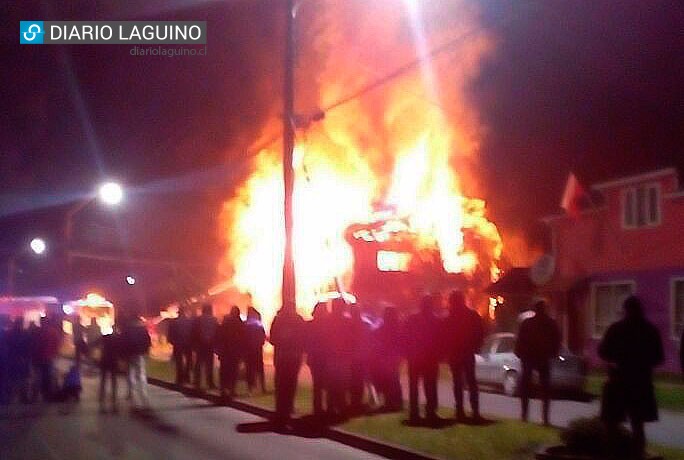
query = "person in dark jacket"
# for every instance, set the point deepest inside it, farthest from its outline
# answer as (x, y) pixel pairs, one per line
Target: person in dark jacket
(340, 348)
(538, 343)
(229, 347)
(464, 335)
(632, 347)
(111, 352)
(48, 340)
(317, 357)
(79, 339)
(136, 344)
(204, 335)
(287, 337)
(359, 334)
(19, 361)
(421, 336)
(180, 336)
(387, 353)
(255, 338)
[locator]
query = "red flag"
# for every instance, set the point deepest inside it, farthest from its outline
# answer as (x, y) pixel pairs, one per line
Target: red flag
(572, 195)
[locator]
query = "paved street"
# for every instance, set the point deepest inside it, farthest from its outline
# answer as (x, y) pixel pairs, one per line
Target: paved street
(180, 428)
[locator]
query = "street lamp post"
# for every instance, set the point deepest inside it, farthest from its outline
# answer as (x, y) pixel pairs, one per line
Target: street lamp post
(109, 193)
(37, 246)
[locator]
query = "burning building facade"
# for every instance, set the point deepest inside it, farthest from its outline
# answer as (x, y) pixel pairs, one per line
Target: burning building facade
(409, 145)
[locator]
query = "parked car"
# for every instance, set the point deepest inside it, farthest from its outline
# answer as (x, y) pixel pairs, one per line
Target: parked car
(496, 364)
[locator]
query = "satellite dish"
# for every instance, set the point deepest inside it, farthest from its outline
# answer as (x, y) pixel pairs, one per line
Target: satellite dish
(542, 270)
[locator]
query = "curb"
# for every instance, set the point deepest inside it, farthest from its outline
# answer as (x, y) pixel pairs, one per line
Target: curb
(373, 446)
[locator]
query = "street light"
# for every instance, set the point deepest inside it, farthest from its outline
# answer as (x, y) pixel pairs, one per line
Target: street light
(38, 245)
(111, 193)
(130, 280)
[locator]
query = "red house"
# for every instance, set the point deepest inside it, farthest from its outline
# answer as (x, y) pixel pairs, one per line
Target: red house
(627, 240)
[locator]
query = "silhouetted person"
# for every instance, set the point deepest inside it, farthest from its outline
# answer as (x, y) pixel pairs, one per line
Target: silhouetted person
(180, 336)
(387, 359)
(79, 338)
(632, 347)
(230, 347)
(93, 334)
(48, 341)
(255, 337)
(538, 343)
(359, 334)
(287, 337)
(421, 338)
(318, 358)
(464, 335)
(136, 343)
(340, 346)
(204, 334)
(111, 353)
(19, 361)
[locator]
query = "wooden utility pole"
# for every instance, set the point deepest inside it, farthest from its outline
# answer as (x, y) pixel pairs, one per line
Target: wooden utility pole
(288, 288)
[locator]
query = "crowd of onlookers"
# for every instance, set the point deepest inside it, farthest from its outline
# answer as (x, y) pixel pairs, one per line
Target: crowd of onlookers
(197, 339)
(354, 360)
(27, 360)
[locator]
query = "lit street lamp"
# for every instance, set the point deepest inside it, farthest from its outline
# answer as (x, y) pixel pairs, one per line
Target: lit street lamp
(110, 193)
(130, 280)
(37, 246)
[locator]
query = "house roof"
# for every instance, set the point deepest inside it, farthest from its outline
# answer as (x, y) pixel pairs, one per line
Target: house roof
(635, 178)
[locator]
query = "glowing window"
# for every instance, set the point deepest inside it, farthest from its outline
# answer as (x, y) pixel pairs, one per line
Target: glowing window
(389, 261)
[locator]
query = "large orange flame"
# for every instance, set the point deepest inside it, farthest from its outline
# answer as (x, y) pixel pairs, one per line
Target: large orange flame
(396, 148)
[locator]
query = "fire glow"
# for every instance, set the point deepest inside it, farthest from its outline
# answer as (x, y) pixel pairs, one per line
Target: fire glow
(397, 152)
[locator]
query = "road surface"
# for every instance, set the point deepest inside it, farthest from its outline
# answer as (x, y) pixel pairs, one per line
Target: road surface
(179, 428)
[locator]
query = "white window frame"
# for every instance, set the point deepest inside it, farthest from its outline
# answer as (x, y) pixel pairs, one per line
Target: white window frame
(635, 206)
(673, 282)
(592, 300)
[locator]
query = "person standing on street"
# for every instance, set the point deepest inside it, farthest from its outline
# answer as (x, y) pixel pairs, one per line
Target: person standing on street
(464, 333)
(538, 343)
(287, 333)
(229, 347)
(317, 358)
(255, 338)
(111, 352)
(136, 343)
(632, 347)
(204, 335)
(421, 336)
(387, 351)
(180, 336)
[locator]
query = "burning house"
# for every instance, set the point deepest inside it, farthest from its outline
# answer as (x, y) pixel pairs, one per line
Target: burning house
(410, 146)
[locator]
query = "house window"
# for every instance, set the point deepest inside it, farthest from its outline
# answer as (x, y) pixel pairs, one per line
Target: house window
(641, 206)
(677, 307)
(606, 303)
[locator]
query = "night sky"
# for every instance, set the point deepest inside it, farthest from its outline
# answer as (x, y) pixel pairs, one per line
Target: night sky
(589, 86)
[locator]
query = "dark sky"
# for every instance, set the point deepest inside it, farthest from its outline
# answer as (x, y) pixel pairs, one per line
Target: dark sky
(593, 86)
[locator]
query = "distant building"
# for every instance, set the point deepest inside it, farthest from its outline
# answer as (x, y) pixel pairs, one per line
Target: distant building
(627, 240)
